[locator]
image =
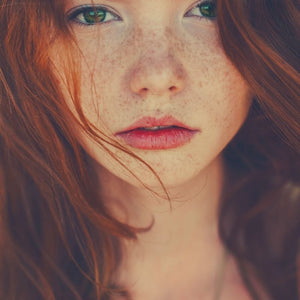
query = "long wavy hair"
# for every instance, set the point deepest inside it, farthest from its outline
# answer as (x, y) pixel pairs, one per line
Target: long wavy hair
(58, 241)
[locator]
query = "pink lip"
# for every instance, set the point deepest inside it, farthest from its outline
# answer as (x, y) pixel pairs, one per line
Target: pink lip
(176, 135)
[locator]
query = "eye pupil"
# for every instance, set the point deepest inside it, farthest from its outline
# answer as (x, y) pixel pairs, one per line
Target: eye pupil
(94, 16)
(208, 10)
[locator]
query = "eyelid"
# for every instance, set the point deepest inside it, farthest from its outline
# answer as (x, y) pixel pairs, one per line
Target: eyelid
(75, 11)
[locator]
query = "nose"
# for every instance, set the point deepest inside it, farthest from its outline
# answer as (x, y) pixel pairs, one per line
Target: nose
(157, 74)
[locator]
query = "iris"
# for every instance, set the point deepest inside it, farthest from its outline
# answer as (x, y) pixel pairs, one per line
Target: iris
(94, 16)
(208, 9)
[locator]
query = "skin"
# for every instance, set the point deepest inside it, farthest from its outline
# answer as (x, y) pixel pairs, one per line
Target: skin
(156, 61)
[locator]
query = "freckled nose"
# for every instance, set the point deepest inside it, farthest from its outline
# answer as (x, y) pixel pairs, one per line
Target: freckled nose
(162, 77)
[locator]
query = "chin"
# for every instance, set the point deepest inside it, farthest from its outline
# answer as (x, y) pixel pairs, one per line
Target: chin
(172, 171)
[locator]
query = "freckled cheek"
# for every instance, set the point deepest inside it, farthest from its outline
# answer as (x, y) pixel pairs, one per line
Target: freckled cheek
(230, 114)
(99, 80)
(226, 101)
(102, 61)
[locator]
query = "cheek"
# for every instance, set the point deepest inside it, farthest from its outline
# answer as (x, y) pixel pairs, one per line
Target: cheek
(96, 89)
(230, 101)
(222, 109)
(225, 95)
(102, 86)
(223, 99)
(228, 113)
(216, 90)
(225, 118)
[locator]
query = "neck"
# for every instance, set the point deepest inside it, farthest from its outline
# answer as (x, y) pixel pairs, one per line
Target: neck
(181, 254)
(187, 232)
(190, 213)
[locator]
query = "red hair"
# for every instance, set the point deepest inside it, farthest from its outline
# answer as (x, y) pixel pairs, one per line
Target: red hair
(59, 241)
(259, 216)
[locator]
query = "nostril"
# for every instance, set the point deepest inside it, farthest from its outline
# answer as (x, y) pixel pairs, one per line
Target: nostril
(144, 91)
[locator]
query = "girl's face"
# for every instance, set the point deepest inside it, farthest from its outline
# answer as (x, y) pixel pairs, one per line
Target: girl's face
(157, 63)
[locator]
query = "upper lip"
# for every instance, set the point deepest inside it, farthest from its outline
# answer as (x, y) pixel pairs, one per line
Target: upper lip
(146, 122)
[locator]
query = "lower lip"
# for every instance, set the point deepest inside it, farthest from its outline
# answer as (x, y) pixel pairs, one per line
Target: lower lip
(157, 139)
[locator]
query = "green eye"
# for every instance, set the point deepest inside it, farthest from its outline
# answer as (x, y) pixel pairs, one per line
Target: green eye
(91, 15)
(94, 16)
(205, 9)
(208, 9)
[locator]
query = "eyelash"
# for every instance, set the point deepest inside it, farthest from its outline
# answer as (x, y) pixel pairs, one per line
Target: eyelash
(77, 16)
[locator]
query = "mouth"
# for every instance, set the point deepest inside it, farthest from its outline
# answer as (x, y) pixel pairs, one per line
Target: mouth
(157, 134)
(155, 128)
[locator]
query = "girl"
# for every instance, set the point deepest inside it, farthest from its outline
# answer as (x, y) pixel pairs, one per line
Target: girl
(149, 149)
